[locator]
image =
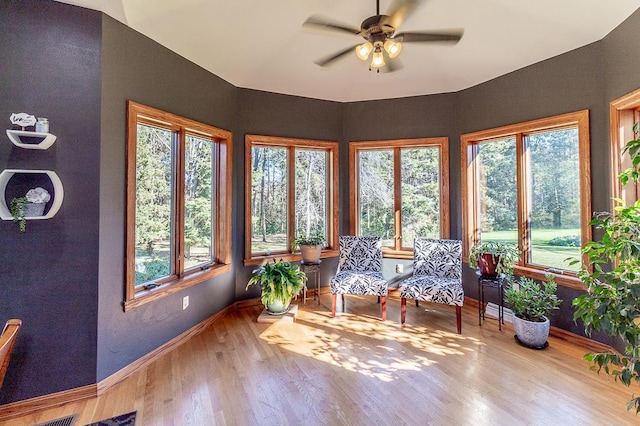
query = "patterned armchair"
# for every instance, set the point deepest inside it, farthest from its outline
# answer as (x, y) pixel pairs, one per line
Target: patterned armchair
(437, 276)
(359, 271)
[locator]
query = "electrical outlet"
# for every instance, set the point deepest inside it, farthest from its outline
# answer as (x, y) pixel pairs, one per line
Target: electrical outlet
(399, 268)
(185, 302)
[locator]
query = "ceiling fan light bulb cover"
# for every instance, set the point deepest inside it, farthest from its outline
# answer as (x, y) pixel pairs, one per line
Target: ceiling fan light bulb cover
(363, 50)
(378, 60)
(393, 48)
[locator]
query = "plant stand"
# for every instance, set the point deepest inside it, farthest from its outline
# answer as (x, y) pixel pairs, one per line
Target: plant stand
(289, 316)
(494, 282)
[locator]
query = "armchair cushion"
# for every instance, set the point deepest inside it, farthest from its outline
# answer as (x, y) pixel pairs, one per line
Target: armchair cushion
(360, 254)
(359, 282)
(433, 289)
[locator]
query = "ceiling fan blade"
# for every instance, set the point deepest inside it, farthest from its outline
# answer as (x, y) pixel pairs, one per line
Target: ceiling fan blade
(329, 59)
(399, 11)
(319, 22)
(451, 36)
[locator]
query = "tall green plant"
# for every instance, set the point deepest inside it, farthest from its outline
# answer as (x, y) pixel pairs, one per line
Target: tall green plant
(612, 301)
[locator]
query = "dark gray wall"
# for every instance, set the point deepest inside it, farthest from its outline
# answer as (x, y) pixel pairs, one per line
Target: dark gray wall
(139, 69)
(65, 276)
(50, 67)
(271, 114)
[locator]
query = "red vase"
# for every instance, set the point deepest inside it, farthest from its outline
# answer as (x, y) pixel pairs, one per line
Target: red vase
(487, 264)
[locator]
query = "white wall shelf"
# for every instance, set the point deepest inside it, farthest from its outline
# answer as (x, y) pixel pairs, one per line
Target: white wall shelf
(57, 196)
(47, 139)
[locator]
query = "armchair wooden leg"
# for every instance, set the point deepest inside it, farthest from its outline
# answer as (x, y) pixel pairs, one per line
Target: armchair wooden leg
(342, 302)
(333, 305)
(403, 309)
(383, 305)
(417, 304)
(459, 318)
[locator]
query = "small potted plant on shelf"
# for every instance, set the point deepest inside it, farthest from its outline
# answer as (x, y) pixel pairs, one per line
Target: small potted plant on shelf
(493, 258)
(531, 303)
(280, 281)
(31, 205)
(310, 247)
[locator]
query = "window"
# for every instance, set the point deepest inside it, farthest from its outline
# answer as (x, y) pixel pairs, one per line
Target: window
(401, 191)
(624, 113)
(529, 184)
(178, 203)
(291, 190)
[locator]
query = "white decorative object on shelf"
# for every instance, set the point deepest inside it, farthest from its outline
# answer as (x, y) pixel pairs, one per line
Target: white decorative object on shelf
(38, 195)
(22, 119)
(47, 139)
(58, 192)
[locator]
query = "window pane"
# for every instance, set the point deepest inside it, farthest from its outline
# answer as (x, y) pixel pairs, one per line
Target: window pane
(555, 192)
(420, 174)
(375, 183)
(311, 192)
(154, 202)
(497, 191)
(198, 209)
(269, 200)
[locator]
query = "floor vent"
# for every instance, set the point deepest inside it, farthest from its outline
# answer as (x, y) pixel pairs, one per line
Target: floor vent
(64, 421)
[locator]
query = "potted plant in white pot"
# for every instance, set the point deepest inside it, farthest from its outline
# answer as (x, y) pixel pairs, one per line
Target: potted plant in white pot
(310, 247)
(493, 258)
(280, 281)
(531, 303)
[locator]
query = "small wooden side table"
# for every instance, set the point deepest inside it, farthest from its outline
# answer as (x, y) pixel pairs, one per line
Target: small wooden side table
(493, 282)
(312, 269)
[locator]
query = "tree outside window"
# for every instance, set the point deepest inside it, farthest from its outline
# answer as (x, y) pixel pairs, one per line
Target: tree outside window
(178, 200)
(528, 184)
(401, 189)
(291, 191)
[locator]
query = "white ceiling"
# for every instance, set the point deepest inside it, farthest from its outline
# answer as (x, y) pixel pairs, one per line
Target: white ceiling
(261, 44)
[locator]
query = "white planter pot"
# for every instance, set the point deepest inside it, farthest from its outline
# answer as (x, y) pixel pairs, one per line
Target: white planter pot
(531, 334)
(278, 307)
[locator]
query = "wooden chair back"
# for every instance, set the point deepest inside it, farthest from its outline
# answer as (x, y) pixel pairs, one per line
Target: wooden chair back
(7, 339)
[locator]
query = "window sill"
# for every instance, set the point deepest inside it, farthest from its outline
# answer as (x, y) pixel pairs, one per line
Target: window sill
(293, 257)
(146, 296)
(396, 254)
(567, 279)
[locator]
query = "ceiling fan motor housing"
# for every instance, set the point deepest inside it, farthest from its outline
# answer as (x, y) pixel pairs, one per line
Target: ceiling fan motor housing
(375, 30)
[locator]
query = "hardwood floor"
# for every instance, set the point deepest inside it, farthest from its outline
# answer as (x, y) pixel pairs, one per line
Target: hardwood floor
(357, 370)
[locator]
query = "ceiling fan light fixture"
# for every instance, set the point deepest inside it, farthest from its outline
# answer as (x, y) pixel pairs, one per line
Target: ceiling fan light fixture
(393, 48)
(363, 50)
(377, 61)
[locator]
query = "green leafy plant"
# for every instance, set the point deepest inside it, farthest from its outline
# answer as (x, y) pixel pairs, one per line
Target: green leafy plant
(504, 255)
(18, 210)
(312, 240)
(612, 301)
(532, 300)
(278, 280)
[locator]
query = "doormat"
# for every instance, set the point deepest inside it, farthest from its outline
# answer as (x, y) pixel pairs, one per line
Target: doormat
(128, 419)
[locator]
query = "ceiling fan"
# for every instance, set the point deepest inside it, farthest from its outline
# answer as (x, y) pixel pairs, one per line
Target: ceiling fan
(378, 31)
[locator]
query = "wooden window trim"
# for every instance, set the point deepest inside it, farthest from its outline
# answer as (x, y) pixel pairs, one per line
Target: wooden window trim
(623, 113)
(138, 113)
(331, 250)
(442, 143)
(470, 229)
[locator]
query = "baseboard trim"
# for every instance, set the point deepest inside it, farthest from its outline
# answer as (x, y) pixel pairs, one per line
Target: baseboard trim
(28, 406)
(125, 372)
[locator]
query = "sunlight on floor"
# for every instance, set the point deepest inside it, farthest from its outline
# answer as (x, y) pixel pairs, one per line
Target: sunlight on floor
(374, 348)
